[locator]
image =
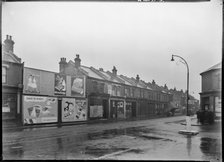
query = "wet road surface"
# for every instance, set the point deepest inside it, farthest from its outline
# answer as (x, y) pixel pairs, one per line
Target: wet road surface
(154, 139)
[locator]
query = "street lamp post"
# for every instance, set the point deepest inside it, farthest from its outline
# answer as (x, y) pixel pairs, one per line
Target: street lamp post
(188, 119)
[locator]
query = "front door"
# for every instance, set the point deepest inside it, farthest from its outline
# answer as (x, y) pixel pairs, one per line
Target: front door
(105, 108)
(133, 109)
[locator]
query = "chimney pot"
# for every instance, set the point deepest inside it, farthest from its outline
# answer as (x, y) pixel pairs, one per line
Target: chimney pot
(9, 44)
(137, 78)
(62, 65)
(77, 61)
(114, 70)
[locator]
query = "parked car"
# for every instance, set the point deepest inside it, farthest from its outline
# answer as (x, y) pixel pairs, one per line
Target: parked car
(172, 111)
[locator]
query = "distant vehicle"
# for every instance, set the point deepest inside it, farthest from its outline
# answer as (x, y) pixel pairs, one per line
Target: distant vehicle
(172, 111)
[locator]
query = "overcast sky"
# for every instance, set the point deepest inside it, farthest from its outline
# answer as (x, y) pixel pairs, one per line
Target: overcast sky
(137, 38)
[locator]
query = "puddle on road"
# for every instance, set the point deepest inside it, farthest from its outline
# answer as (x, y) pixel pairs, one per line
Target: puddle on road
(137, 151)
(134, 132)
(210, 146)
(140, 132)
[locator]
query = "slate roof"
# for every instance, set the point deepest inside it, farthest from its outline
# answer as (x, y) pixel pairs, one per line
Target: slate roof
(217, 66)
(120, 79)
(10, 57)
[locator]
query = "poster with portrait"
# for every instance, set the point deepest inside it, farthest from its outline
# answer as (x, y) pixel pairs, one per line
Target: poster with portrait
(60, 84)
(38, 109)
(73, 110)
(32, 83)
(96, 111)
(78, 86)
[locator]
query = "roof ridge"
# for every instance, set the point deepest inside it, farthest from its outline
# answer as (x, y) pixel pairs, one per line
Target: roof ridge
(98, 73)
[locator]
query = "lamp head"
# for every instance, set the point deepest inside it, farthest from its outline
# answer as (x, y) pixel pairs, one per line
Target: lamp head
(172, 59)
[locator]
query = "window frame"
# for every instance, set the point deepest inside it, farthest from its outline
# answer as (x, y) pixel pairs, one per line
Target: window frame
(5, 75)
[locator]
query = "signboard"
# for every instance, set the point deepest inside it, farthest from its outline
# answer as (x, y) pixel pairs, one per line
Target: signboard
(117, 109)
(96, 111)
(6, 109)
(38, 109)
(120, 109)
(78, 86)
(60, 84)
(73, 110)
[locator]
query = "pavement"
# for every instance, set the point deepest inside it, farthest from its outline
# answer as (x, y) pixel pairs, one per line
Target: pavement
(13, 124)
(194, 122)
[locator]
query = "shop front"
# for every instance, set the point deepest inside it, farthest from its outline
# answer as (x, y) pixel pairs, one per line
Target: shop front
(98, 107)
(130, 109)
(9, 106)
(117, 109)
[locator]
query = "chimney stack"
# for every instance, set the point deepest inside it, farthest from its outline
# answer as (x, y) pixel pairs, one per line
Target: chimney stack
(114, 70)
(9, 44)
(101, 69)
(62, 65)
(77, 61)
(153, 82)
(137, 78)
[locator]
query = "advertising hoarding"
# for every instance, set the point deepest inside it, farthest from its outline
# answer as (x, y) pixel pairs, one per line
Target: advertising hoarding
(60, 84)
(38, 109)
(74, 110)
(32, 83)
(38, 81)
(78, 86)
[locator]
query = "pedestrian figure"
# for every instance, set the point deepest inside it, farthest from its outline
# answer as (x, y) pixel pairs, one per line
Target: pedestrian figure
(206, 116)
(202, 116)
(198, 116)
(210, 117)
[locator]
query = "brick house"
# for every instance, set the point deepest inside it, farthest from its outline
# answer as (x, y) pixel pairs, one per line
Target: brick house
(12, 69)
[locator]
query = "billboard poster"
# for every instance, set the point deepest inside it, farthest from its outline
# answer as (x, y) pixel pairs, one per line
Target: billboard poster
(32, 83)
(38, 109)
(73, 110)
(78, 86)
(96, 111)
(60, 84)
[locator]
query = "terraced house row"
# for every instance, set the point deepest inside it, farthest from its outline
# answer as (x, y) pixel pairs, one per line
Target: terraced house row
(77, 93)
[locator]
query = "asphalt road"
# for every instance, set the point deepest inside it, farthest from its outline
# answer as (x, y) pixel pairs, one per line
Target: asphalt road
(154, 139)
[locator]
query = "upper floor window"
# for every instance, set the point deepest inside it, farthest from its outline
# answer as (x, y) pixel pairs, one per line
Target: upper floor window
(4, 74)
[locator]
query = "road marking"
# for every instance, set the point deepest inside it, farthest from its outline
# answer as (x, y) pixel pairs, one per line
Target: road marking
(112, 154)
(15, 147)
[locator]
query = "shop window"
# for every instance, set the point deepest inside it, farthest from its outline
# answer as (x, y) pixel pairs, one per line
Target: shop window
(4, 74)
